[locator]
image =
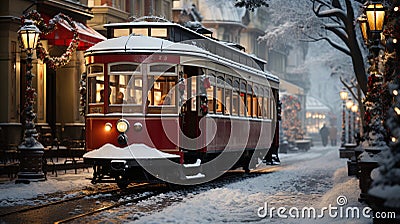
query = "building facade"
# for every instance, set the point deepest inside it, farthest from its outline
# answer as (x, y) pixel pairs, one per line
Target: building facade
(57, 100)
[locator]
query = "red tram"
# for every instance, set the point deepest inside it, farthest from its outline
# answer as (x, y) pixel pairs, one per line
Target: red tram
(165, 102)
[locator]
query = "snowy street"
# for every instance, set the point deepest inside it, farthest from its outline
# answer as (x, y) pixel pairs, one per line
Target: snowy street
(315, 178)
(305, 179)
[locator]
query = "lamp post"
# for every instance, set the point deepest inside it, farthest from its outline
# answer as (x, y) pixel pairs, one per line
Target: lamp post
(349, 104)
(31, 151)
(343, 96)
(371, 24)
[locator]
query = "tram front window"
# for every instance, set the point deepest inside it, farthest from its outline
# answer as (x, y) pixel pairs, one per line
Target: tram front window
(126, 89)
(162, 93)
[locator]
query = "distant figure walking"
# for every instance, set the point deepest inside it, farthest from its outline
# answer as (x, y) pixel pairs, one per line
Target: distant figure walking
(324, 132)
(333, 135)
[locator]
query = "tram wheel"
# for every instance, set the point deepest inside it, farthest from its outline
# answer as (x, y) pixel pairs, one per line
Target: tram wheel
(122, 182)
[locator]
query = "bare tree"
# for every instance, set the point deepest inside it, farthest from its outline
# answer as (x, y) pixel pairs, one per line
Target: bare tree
(335, 16)
(340, 21)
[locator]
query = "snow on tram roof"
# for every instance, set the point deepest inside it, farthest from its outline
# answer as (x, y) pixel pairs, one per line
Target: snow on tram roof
(136, 42)
(139, 43)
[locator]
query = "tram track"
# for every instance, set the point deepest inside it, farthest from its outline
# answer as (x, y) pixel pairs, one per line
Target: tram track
(63, 211)
(105, 208)
(50, 212)
(35, 207)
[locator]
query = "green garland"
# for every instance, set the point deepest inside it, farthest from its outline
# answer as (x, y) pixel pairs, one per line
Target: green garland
(41, 52)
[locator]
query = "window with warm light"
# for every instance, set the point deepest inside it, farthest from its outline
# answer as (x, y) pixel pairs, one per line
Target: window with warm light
(375, 15)
(125, 83)
(95, 84)
(121, 32)
(141, 31)
(158, 32)
(210, 93)
(162, 80)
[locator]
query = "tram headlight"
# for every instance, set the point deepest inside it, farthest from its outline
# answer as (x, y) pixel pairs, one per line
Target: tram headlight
(108, 127)
(122, 125)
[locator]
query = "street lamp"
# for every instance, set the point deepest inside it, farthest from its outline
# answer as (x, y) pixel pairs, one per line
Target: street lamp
(364, 28)
(343, 96)
(31, 151)
(349, 104)
(375, 15)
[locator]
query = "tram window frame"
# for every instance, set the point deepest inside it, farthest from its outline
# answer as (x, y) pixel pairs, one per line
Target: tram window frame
(219, 94)
(235, 98)
(249, 99)
(242, 104)
(260, 102)
(272, 104)
(255, 102)
(140, 31)
(128, 70)
(228, 96)
(155, 79)
(211, 93)
(159, 32)
(266, 104)
(93, 73)
(120, 32)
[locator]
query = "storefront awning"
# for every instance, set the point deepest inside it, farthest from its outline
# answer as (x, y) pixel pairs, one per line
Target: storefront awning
(62, 36)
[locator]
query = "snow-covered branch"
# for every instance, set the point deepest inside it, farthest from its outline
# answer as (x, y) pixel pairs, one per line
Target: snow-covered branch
(331, 42)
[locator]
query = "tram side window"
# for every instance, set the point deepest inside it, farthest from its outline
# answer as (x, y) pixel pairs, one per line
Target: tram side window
(242, 99)
(235, 98)
(255, 102)
(249, 99)
(220, 94)
(228, 96)
(260, 103)
(272, 106)
(96, 89)
(266, 104)
(95, 84)
(162, 91)
(210, 94)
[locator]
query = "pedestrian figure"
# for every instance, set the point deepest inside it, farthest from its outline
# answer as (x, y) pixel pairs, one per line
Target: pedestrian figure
(333, 135)
(324, 132)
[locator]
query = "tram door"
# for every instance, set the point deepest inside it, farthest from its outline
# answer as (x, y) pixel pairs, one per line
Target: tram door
(190, 110)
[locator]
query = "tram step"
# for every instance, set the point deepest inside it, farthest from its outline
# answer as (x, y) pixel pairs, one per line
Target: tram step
(193, 165)
(197, 176)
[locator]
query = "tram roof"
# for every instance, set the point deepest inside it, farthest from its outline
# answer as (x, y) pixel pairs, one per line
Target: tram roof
(198, 36)
(157, 45)
(141, 43)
